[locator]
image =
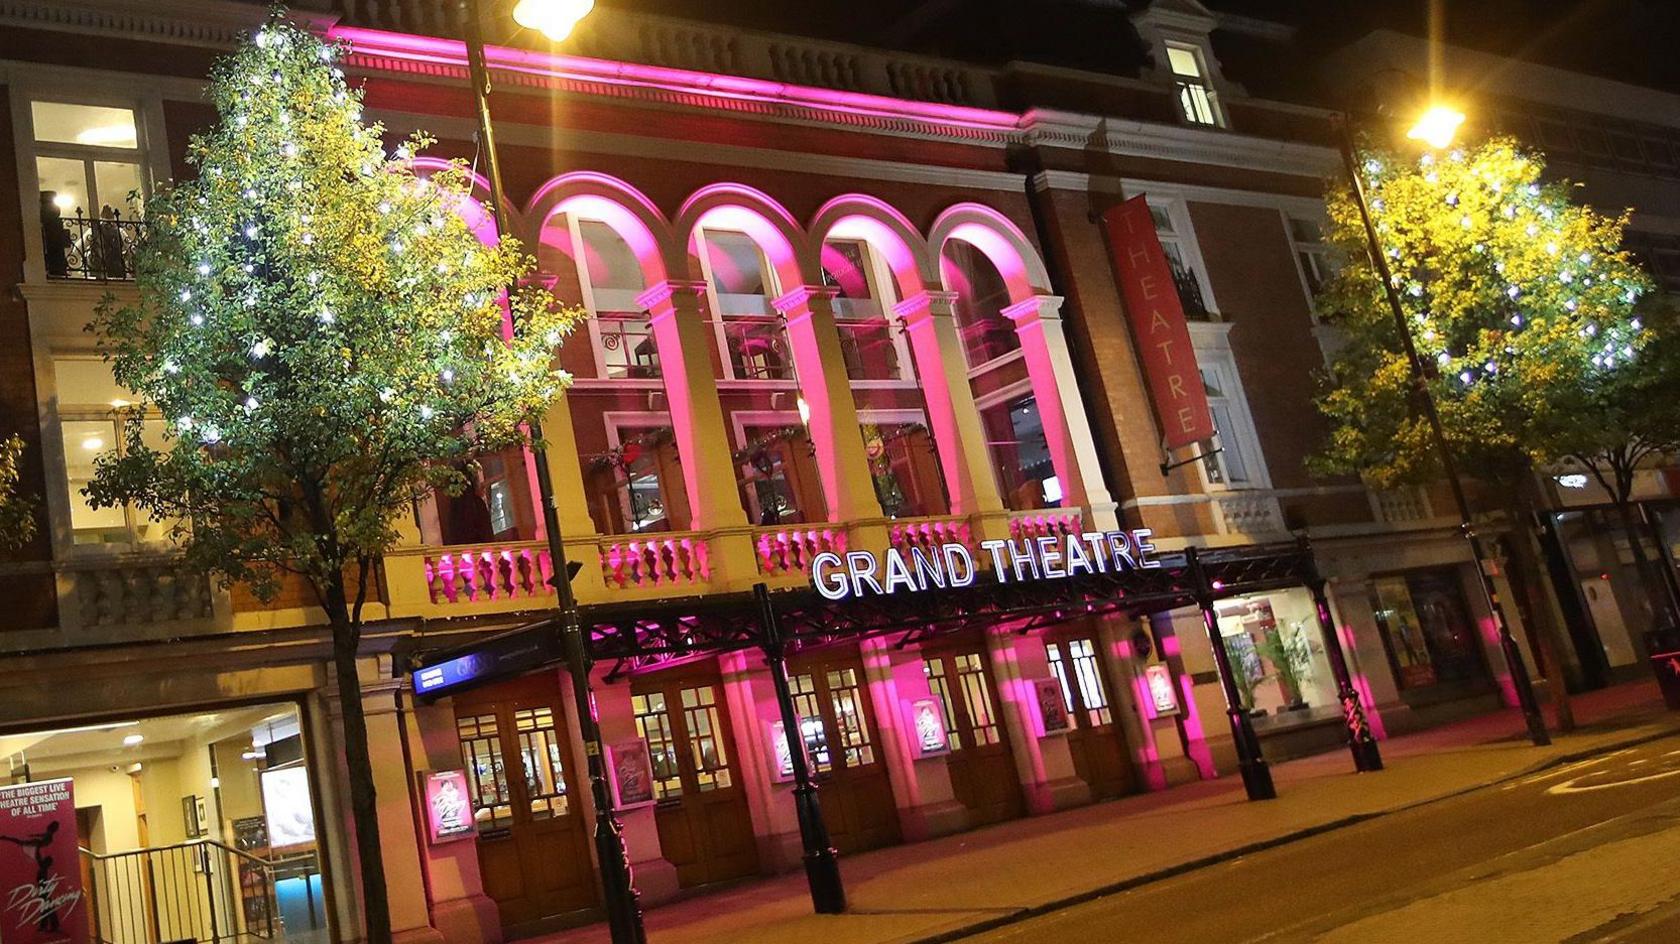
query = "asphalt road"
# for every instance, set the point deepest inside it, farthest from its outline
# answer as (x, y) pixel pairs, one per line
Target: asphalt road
(1581, 854)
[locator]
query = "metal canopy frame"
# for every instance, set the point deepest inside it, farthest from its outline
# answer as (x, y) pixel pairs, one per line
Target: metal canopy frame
(642, 636)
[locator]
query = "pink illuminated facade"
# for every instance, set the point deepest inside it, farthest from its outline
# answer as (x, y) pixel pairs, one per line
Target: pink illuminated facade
(831, 309)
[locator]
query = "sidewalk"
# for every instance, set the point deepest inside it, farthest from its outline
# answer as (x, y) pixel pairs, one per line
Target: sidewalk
(924, 891)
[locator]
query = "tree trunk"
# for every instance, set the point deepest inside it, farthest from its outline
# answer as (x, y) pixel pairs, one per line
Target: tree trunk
(364, 809)
(1548, 630)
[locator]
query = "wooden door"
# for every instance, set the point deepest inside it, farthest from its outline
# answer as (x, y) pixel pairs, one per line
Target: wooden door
(837, 724)
(533, 846)
(982, 766)
(1099, 755)
(705, 829)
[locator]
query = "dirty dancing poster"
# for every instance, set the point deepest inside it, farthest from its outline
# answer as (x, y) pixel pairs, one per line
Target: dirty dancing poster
(40, 876)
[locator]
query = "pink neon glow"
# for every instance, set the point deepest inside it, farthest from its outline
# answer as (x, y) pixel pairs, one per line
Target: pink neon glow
(608, 200)
(999, 240)
(1362, 685)
(886, 230)
(1041, 362)
(383, 44)
(751, 211)
(1507, 683)
(1199, 752)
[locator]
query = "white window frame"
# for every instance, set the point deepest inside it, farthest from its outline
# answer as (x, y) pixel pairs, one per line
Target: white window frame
(739, 421)
(1320, 250)
(1205, 80)
(883, 288)
(1183, 236)
(592, 299)
(773, 291)
(1211, 342)
(613, 422)
(60, 500)
(29, 84)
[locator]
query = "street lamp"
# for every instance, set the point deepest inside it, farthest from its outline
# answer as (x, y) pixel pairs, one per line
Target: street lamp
(1437, 127)
(552, 18)
(555, 18)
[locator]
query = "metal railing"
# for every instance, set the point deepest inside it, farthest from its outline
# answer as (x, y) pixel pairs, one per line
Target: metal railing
(80, 247)
(1190, 294)
(199, 890)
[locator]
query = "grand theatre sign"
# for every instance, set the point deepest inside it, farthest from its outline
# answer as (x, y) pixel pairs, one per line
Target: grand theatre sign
(1051, 557)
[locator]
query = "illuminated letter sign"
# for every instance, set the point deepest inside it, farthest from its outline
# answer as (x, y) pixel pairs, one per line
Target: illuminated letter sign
(952, 565)
(1157, 319)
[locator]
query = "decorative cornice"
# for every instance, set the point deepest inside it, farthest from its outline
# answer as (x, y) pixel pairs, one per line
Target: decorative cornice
(1059, 129)
(206, 23)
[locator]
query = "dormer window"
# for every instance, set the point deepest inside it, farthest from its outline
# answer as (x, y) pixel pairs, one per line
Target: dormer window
(1197, 102)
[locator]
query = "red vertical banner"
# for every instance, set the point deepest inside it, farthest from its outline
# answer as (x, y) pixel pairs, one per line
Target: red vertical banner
(1157, 318)
(41, 894)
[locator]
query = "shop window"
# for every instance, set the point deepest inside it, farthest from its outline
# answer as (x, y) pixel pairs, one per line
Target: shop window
(869, 340)
(1197, 102)
(653, 723)
(904, 465)
(636, 486)
(939, 684)
(1426, 628)
(94, 417)
(809, 709)
(751, 333)
(539, 754)
(982, 295)
(1021, 455)
(778, 475)
(705, 738)
(492, 799)
(977, 698)
(88, 162)
(1079, 668)
(845, 693)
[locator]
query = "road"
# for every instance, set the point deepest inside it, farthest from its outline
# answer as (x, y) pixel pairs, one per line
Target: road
(1581, 854)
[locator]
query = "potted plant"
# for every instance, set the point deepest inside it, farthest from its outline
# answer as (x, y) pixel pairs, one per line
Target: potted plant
(1290, 657)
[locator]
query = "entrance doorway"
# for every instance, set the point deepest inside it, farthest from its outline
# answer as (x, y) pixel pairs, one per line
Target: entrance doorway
(197, 827)
(705, 829)
(837, 725)
(533, 849)
(982, 766)
(1098, 756)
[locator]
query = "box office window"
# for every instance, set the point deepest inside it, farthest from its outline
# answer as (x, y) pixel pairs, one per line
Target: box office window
(1426, 628)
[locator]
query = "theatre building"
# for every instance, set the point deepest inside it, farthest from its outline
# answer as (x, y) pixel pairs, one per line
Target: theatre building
(854, 313)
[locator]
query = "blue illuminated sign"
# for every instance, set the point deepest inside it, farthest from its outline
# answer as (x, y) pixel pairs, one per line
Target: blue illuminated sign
(498, 657)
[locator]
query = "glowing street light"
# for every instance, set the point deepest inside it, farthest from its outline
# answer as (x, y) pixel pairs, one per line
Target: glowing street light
(552, 18)
(1435, 127)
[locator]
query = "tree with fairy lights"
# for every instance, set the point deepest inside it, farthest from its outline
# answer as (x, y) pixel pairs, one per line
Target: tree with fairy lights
(325, 338)
(1520, 302)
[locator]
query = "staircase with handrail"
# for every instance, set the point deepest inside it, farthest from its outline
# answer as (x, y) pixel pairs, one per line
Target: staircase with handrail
(200, 891)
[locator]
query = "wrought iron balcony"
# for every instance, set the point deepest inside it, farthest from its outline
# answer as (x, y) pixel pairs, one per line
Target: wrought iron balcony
(81, 247)
(1190, 295)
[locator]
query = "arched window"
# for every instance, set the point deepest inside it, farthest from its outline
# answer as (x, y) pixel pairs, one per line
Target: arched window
(982, 294)
(743, 284)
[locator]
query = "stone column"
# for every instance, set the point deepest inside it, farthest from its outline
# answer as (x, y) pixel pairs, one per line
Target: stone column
(921, 786)
(1188, 722)
(1067, 431)
(393, 782)
(461, 912)
(943, 371)
(752, 706)
(1157, 748)
(827, 390)
(685, 359)
(1044, 763)
(656, 877)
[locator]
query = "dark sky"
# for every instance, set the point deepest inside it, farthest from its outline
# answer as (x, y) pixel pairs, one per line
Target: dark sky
(1635, 41)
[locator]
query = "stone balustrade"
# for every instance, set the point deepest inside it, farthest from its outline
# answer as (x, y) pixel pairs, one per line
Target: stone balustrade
(135, 593)
(623, 36)
(677, 561)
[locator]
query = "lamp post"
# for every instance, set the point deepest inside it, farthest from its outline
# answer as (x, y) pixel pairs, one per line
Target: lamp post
(620, 898)
(1436, 128)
